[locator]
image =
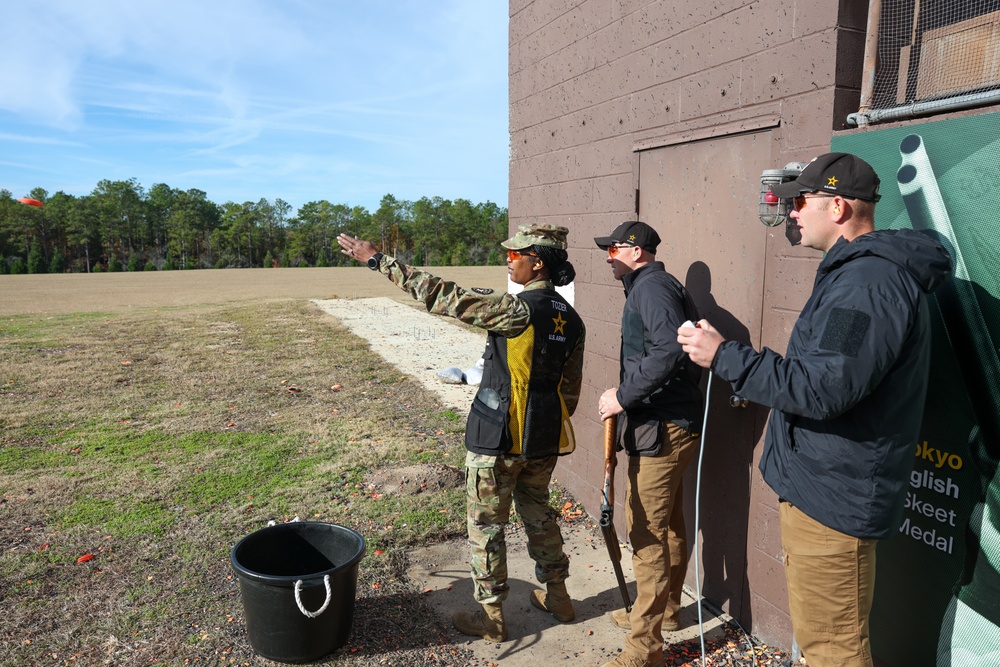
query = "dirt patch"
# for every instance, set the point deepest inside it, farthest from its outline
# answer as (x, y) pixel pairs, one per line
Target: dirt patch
(411, 480)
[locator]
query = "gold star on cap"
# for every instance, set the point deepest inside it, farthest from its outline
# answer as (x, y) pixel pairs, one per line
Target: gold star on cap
(560, 323)
(832, 181)
(631, 237)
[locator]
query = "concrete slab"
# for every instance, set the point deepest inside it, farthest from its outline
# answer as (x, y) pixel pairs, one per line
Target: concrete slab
(535, 638)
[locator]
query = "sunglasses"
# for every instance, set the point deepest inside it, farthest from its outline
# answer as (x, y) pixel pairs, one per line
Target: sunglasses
(514, 255)
(800, 201)
(613, 250)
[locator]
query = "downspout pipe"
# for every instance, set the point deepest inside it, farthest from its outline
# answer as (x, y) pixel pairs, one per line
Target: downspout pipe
(985, 98)
(871, 56)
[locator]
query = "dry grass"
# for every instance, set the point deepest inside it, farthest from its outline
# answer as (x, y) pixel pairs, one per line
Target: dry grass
(155, 438)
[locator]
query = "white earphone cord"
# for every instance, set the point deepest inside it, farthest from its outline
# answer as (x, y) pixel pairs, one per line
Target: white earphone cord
(697, 530)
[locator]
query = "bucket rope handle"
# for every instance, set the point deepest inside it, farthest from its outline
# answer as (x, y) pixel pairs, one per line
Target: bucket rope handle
(298, 599)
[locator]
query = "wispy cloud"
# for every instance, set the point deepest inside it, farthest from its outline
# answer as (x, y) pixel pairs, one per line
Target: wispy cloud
(300, 99)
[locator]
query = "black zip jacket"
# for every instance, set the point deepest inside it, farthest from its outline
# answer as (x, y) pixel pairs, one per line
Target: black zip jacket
(848, 396)
(657, 381)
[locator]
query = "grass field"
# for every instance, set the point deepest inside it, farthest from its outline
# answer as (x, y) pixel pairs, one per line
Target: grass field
(149, 421)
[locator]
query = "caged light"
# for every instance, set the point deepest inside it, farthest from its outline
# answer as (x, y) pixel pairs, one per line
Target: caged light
(771, 210)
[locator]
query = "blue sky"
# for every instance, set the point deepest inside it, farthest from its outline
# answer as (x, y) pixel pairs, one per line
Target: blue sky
(302, 100)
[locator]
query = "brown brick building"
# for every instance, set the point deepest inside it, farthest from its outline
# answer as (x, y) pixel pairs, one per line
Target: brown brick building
(668, 111)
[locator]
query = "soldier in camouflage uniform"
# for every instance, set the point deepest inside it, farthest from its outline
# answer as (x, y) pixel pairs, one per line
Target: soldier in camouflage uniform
(519, 422)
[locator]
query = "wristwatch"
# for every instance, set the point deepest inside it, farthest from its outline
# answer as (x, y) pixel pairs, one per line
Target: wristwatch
(374, 260)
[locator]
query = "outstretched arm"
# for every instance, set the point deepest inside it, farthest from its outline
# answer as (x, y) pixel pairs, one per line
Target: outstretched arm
(503, 314)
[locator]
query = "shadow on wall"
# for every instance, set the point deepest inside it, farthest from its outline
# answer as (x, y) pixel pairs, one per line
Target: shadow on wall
(729, 439)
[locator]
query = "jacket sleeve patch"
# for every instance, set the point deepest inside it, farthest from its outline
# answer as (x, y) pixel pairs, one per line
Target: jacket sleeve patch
(845, 331)
(482, 290)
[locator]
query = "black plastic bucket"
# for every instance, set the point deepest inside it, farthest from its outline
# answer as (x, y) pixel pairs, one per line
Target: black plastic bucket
(298, 581)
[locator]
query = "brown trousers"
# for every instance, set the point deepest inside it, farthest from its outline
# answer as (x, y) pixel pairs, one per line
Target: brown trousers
(831, 583)
(656, 530)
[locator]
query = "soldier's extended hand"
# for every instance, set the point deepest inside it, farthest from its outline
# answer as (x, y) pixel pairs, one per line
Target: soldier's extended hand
(700, 343)
(355, 248)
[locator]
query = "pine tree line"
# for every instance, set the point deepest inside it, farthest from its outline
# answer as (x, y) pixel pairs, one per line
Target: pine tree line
(122, 226)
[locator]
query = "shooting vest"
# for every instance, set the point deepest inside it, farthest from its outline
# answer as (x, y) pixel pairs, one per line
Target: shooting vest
(519, 409)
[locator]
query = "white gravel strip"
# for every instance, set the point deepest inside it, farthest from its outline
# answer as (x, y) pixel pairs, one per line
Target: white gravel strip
(414, 341)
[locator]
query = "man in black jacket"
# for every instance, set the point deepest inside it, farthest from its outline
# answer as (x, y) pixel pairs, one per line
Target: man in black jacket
(847, 399)
(659, 395)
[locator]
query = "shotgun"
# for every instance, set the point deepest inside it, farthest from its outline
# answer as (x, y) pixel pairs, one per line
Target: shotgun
(608, 506)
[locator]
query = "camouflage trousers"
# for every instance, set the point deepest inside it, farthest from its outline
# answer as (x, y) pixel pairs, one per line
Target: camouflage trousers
(492, 482)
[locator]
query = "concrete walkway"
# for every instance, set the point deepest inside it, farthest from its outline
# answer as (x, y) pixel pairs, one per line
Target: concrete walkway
(535, 638)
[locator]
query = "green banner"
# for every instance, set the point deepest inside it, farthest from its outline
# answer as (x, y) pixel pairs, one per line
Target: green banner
(937, 595)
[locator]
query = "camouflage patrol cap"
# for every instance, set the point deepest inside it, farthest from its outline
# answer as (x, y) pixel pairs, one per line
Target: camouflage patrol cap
(551, 236)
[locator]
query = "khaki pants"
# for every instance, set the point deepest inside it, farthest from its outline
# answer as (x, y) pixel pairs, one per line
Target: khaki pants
(655, 518)
(831, 581)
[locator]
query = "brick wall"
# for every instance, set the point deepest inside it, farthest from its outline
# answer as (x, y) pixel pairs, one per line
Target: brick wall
(594, 82)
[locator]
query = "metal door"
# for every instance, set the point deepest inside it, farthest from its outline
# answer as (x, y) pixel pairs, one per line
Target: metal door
(701, 197)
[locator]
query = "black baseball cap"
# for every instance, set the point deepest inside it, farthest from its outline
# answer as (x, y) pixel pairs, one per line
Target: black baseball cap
(632, 232)
(841, 174)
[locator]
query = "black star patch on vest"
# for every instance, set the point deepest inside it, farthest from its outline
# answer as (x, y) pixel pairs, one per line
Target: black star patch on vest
(482, 290)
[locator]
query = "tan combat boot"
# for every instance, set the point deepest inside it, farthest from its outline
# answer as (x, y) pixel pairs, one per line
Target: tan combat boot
(487, 623)
(555, 600)
(620, 618)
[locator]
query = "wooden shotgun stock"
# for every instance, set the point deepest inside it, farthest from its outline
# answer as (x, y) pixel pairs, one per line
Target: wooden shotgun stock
(608, 507)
